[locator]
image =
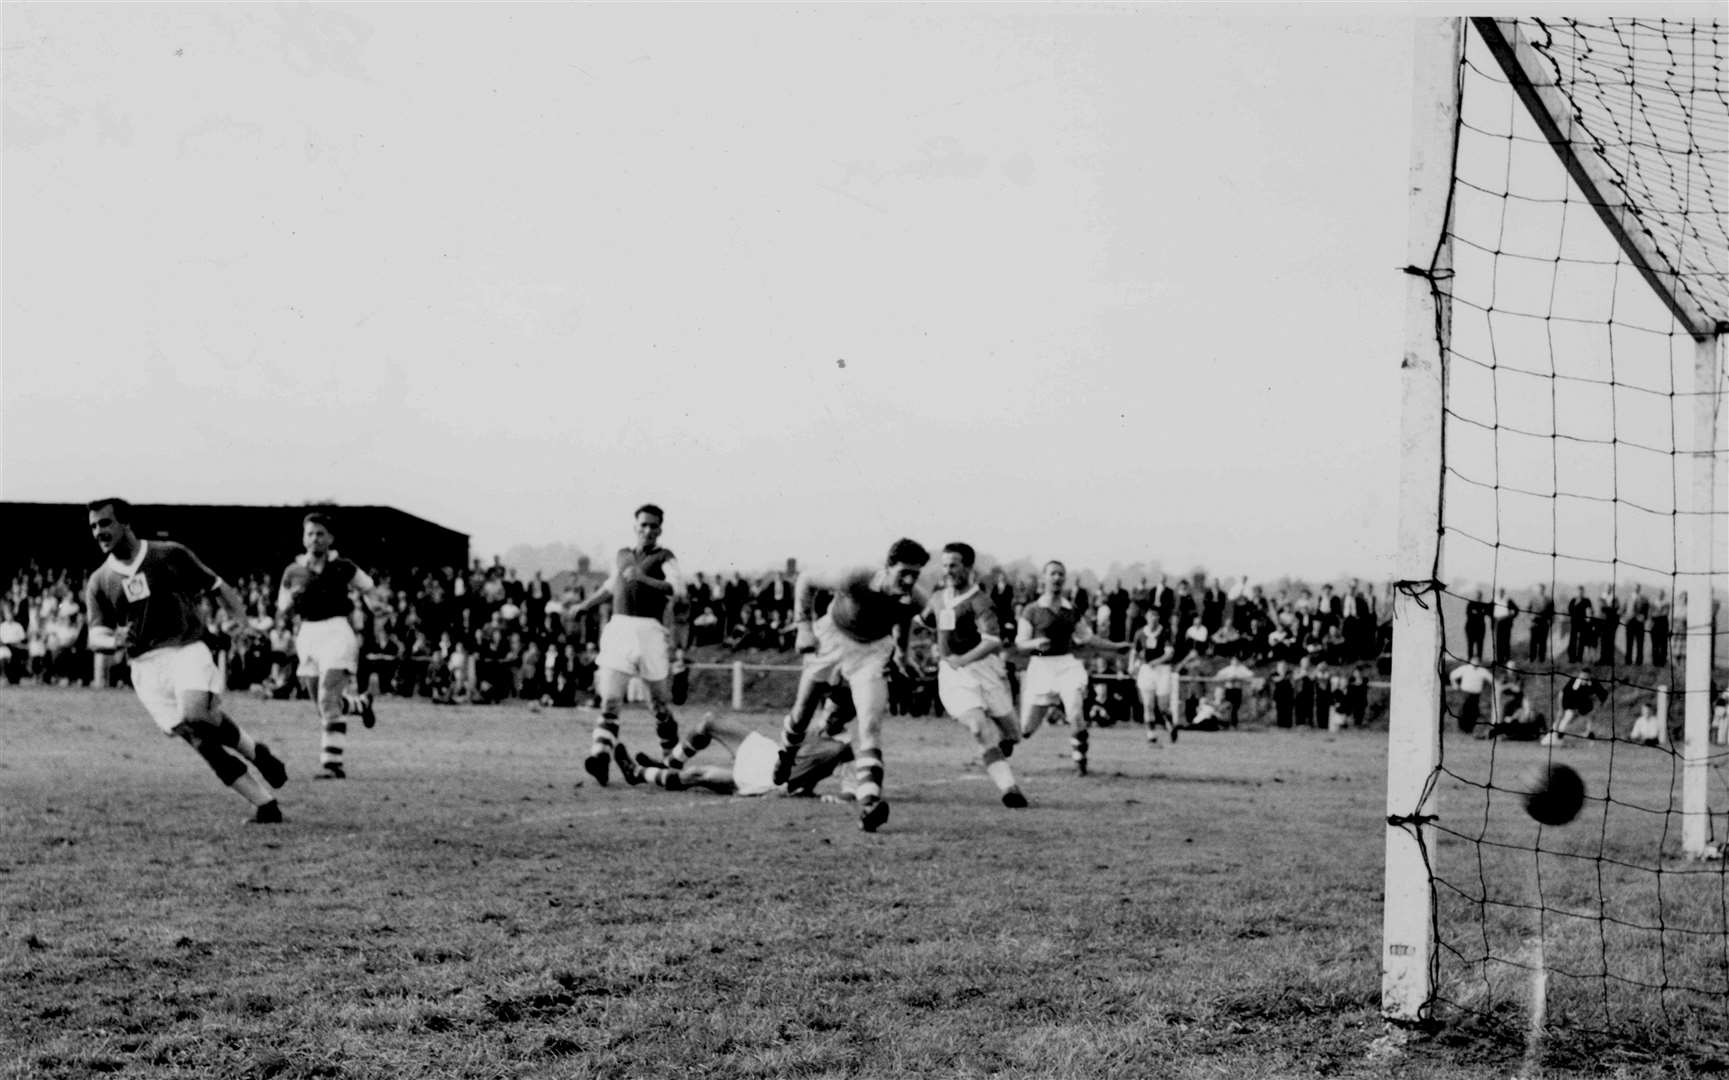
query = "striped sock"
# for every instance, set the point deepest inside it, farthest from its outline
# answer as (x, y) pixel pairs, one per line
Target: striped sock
(868, 766)
(330, 747)
(605, 736)
(694, 743)
(666, 729)
(1078, 746)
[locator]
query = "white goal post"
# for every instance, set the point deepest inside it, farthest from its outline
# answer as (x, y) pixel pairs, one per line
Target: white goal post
(1409, 954)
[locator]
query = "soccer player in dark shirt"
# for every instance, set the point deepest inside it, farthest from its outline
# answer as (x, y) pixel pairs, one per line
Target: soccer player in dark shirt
(144, 601)
(866, 626)
(972, 682)
(320, 588)
(644, 585)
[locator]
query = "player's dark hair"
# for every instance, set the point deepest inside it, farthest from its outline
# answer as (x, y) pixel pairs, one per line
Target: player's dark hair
(650, 508)
(122, 509)
(965, 551)
(908, 553)
(1055, 562)
(318, 517)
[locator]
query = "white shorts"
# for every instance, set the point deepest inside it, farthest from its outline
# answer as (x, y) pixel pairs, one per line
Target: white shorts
(982, 685)
(327, 645)
(160, 676)
(1055, 677)
(859, 662)
(1158, 680)
(634, 645)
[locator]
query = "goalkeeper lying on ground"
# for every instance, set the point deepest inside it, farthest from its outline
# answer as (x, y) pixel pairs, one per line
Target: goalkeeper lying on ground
(753, 758)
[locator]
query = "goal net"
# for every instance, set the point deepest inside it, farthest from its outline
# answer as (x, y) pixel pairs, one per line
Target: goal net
(1562, 538)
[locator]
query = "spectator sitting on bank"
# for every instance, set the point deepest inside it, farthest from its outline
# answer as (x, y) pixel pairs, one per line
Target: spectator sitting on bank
(13, 648)
(1470, 679)
(1235, 679)
(1646, 728)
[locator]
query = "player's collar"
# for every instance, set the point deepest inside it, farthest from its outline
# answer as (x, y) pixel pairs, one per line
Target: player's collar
(129, 568)
(956, 597)
(305, 558)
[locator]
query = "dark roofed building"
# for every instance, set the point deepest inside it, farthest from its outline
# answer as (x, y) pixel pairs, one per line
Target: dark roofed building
(237, 541)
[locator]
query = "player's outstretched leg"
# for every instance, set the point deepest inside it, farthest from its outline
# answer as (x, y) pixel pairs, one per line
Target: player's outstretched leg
(990, 733)
(269, 766)
(217, 745)
(665, 724)
(804, 707)
(691, 745)
(643, 769)
(868, 757)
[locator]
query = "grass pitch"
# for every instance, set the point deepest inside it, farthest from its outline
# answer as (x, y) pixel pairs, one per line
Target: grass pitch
(463, 907)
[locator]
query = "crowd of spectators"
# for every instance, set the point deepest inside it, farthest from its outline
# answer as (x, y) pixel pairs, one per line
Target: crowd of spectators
(485, 634)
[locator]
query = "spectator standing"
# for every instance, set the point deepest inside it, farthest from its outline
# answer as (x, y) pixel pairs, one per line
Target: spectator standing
(1284, 694)
(1581, 614)
(1186, 614)
(1542, 624)
(1117, 601)
(1164, 601)
(1638, 617)
(1476, 623)
(1660, 630)
(1608, 625)
(1504, 613)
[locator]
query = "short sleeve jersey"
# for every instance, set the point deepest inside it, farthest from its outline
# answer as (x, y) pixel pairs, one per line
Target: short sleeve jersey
(1152, 641)
(962, 620)
(635, 597)
(1055, 624)
(322, 593)
(156, 595)
(865, 613)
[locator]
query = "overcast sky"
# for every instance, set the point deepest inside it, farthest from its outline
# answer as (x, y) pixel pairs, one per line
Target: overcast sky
(1108, 284)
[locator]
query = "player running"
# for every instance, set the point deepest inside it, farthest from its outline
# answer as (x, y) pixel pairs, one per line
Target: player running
(971, 680)
(321, 588)
(1051, 629)
(865, 626)
(643, 586)
(1153, 655)
(144, 601)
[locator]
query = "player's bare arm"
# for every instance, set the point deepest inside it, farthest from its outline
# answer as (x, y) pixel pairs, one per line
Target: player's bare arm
(1086, 639)
(1025, 641)
(599, 596)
